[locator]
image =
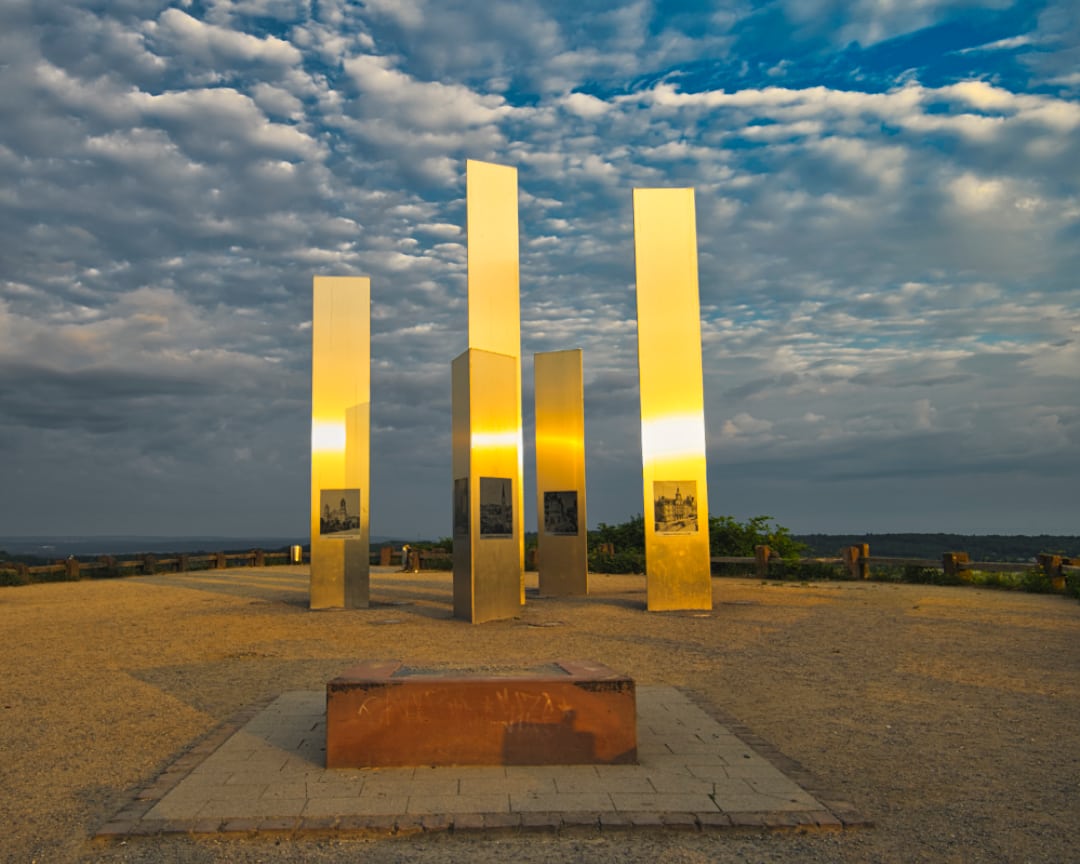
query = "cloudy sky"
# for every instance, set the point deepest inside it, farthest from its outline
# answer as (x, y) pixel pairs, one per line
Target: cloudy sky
(888, 206)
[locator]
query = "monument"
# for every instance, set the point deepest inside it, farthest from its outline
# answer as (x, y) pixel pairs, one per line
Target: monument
(672, 401)
(340, 442)
(562, 534)
(486, 448)
(384, 714)
(489, 541)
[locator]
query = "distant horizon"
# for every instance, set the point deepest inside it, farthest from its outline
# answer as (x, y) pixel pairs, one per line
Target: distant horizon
(383, 537)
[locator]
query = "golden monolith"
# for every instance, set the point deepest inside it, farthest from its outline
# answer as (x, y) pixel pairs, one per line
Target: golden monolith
(562, 535)
(340, 442)
(672, 401)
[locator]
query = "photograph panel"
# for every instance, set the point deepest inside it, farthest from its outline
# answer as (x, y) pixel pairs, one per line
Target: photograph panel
(339, 513)
(675, 507)
(561, 513)
(496, 507)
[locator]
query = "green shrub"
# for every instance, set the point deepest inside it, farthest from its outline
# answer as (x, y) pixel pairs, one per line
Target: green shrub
(629, 535)
(620, 562)
(1035, 581)
(13, 578)
(727, 536)
(815, 571)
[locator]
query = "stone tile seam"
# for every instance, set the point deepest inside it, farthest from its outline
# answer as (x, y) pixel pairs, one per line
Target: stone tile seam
(387, 826)
(140, 801)
(835, 803)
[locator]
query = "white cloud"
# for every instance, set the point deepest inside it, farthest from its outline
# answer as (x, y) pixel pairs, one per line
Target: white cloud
(743, 426)
(887, 275)
(222, 114)
(211, 43)
(423, 104)
(277, 100)
(584, 105)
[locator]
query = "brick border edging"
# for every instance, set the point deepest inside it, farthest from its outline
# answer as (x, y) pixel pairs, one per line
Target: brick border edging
(837, 805)
(406, 825)
(129, 821)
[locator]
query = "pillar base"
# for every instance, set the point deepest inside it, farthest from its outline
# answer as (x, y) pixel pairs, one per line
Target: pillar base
(385, 714)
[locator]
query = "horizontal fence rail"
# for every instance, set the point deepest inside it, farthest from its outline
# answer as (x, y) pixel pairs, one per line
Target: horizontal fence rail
(858, 561)
(72, 569)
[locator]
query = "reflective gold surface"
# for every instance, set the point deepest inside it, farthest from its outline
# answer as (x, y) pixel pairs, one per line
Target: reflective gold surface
(560, 473)
(340, 434)
(486, 456)
(494, 305)
(672, 400)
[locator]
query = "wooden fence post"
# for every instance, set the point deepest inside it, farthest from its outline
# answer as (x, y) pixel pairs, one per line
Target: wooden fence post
(385, 552)
(149, 563)
(260, 558)
(220, 559)
(857, 560)
(761, 557)
(1051, 566)
(71, 569)
(182, 563)
(956, 564)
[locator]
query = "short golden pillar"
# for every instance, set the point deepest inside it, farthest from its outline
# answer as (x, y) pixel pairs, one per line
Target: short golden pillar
(672, 401)
(486, 458)
(562, 535)
(340, 442)
(491, 200)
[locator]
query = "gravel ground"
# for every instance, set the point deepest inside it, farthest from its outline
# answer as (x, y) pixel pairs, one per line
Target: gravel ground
(949, 716)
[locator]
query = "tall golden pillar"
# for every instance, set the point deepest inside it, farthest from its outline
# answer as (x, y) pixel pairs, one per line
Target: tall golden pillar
(486, 459)
(562, 535)
(672, 401)
(340, 442)
(494, 307)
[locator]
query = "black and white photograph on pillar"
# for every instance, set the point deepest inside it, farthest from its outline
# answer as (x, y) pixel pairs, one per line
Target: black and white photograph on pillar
(560, 513)
(496, 507)
(675, 507)
(339, 512)
(461, 507)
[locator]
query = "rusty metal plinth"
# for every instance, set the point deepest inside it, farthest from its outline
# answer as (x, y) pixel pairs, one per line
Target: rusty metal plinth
(385, 714)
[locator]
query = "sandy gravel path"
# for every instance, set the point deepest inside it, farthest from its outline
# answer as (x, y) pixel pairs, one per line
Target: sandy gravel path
(950, 716)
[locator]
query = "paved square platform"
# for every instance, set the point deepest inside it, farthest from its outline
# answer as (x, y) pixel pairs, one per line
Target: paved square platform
(267, 773)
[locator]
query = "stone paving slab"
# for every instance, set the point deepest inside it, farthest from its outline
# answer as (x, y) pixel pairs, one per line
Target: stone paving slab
(266, 771)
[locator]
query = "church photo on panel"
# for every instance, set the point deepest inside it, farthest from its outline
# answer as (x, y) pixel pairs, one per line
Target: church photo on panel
(496, 507)
(560, 513)
(675, 507)
(339, 512)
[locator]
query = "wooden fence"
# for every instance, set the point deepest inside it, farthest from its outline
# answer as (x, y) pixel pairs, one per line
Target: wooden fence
(858, 561)
(107, 565)
(72, 569)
